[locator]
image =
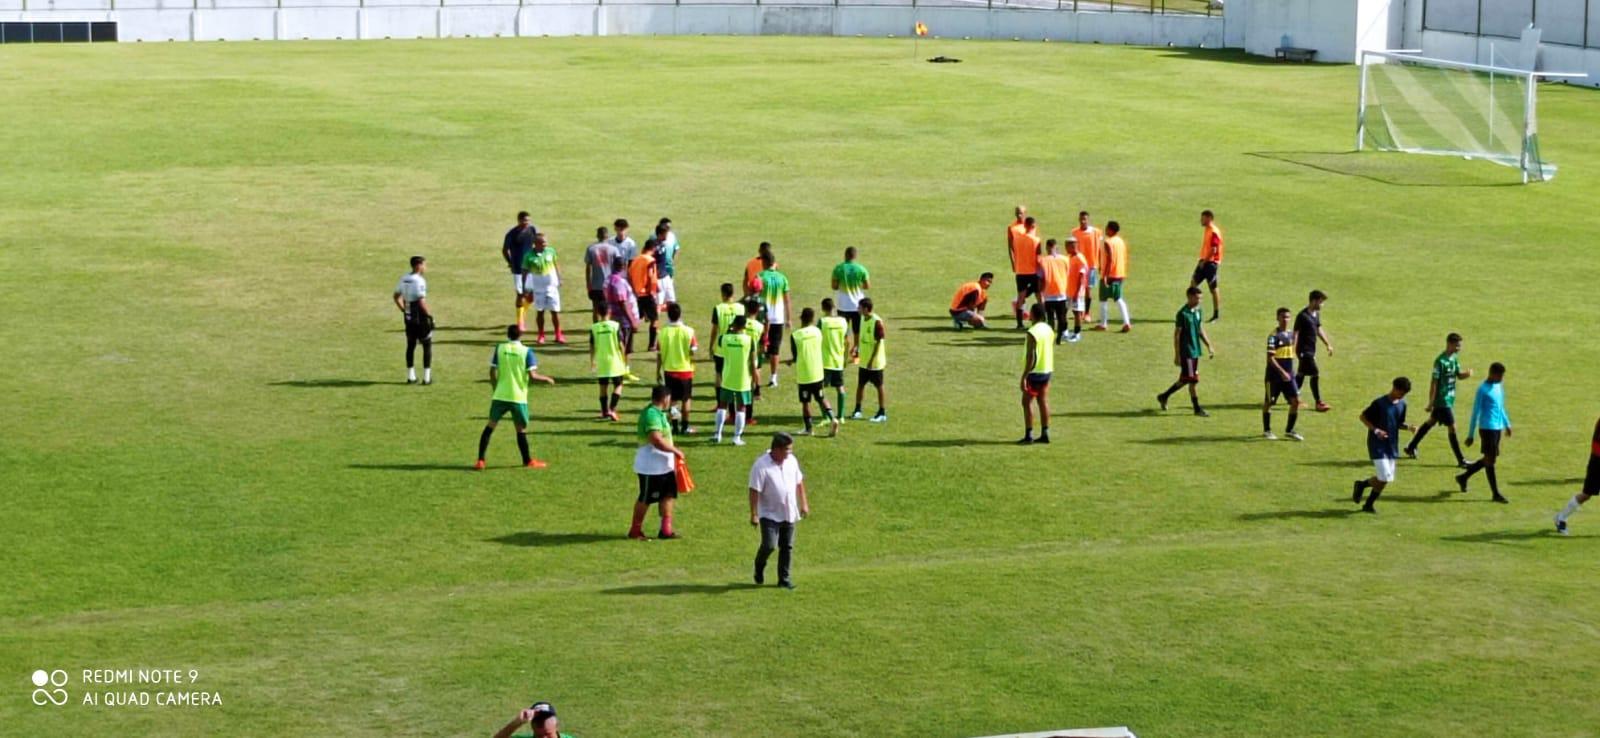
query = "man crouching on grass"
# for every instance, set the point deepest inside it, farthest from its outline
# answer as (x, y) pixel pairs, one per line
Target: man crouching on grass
(541, 719)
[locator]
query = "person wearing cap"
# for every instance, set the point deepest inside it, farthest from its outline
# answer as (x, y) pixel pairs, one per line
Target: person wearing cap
(540, 718)
(777, 502)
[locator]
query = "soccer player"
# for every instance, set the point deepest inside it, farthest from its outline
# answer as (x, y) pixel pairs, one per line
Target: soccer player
(1087, 238)
(756, 330)
(411, 296)
(834, 330)
(608, 362)
(1038, 361)
(1591, 484)
(1384, 419)
(597, 262)
(621, 305)
(1114, 264)
(875, 359)
(656, 464)
(1488, 416)
(1210, 261)
(666, 260)
(753, 268)
(806, 345)
(1079, 277)
(1187, 339)
(518, 242)
(1280, 377)
(1307, 329)
(1022, 248)
(1053, 269)
(738, 371)
(1442, 398)
(622, 242)
(541, 719)
(850, 284)
(642, 278)
(675, 364)
(510, 367)
(543, 276)
(967, 307)
(775, 297)
(721, 317)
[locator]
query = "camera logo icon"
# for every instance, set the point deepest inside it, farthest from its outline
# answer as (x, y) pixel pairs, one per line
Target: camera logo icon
(48, 687)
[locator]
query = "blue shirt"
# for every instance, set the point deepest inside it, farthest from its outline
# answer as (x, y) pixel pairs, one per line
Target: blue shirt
(1488, 409)
(1388, 415)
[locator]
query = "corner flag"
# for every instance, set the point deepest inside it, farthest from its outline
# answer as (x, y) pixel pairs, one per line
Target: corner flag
(922, 28)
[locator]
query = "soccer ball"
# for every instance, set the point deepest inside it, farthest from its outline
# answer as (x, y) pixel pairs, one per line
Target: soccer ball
(755, 284)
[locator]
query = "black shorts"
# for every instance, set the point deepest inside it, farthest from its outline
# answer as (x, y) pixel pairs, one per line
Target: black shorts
(419, 327)
(1207, 273)
(1277, 387)
(873, 377)
(609, 381)
(833, 377)
(812, 391)
(647, 307)
(773, 341)
(1189, 370)
(1308, 365)
(1591, 481)
(1443, 415)
(1491, 441)
(1027, 284)
(680, 389)
(654, 488)
(716, 361)
(854, 316)
(598, 299)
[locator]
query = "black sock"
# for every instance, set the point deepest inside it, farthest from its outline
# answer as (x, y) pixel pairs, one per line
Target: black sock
(1363, 484)
(1372, 496)
(427, 353)
(1195, 401)
(616, 397)
(1494, 484)
(1170, 390)
(1416, 440)
(1455, 446)
(1044, 431)
(603, 406)
(1266, 420)
(483, 442)
(522, 445)
(652, 335)
(1473, 468)
(1316, 388)
(1293, 416)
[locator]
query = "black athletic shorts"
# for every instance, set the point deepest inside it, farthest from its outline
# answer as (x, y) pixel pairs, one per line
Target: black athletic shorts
(609, 381)
(1591, 481)
(419, 327)
(716, 361)
(1207, 273)
(1491, 441)
(680, 389)
(854, 316)
(1189, 370)
(1277, 387)
(647, 307)
(833, 377)
(1443, 415)
(1308, 365)
(1027, 284)
(773, 340)
(873, 377)
(597, 298)
(654, 488)
(812, 391)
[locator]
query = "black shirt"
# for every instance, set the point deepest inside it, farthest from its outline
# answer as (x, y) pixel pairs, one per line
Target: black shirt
(1306, 325)
(1387, 415)
(519, 241)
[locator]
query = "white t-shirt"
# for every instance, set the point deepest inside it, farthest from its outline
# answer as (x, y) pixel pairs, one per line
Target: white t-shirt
(412, 287)
(651, 460)
(776, 486)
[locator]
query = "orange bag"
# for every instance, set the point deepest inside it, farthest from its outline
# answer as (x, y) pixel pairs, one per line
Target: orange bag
(685, 482)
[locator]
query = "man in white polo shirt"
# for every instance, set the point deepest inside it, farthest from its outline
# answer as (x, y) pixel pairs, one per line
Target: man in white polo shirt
(777, 502)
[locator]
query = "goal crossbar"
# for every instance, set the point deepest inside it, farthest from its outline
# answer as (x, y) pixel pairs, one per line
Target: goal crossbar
(1409, 56)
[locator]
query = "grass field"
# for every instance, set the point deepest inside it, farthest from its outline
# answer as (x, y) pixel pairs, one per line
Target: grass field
(210, 463)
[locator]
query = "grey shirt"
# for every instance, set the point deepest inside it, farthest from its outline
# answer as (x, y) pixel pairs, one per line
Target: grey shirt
(598, 257)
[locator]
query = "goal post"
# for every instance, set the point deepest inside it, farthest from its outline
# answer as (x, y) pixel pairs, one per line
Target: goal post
(1417, 105)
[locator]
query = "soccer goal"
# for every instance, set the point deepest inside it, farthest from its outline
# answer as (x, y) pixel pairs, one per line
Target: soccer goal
(1417, 105)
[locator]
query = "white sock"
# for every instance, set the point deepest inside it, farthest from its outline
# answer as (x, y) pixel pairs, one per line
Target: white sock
(1105, 312)
(411, 373)
(427, 374)
(1572, 506)
(722, 419)
(1123, 306)
(738, 424)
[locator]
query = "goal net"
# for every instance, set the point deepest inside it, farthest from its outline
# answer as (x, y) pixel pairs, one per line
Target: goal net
(1418, 105)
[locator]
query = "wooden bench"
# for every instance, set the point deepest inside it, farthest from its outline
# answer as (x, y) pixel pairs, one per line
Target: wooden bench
(1294, 53)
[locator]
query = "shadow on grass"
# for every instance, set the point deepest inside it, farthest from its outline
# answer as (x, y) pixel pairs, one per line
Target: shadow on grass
(1185, 440)
(1506, 537)
(469, 341)
(1390, 170)
(1549, 482)
(415, 467)
(1299, 514)
(537, 539)
(681, 589)
(501, 329)
(1444, 496)
(331, 383)
(1340, 463)
(947, 442)
(1140, 413)
(1231, 56)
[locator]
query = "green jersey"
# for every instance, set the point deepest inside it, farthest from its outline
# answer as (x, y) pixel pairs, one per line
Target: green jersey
(1044, 352)
(677, 348)
(722, 316)
(807, 354)
(1445, 369)
(605, 338)
(1188, 322)
(511, 361)
(773, 288)
(651, 420)
(736, 351)
(542, 263)
(834, 329)
(871, 341)
(852, 279)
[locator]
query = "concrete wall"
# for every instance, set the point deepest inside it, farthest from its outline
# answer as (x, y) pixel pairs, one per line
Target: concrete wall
(243, 20)
(1337, 29)
(1449, 32)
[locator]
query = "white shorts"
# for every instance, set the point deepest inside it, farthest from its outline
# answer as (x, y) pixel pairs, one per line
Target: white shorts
(545, 291)
(1077, 304)
(519, 282)
(1383, 470)
(668, 293)
(547, 300)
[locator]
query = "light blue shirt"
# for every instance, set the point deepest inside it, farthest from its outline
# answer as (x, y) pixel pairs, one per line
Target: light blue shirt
(1489, 409)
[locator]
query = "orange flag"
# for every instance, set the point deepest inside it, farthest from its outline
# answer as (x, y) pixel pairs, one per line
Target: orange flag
(922, 28)
(685, 482)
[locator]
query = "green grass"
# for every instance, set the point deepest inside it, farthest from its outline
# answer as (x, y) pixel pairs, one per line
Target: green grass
(208, 464)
